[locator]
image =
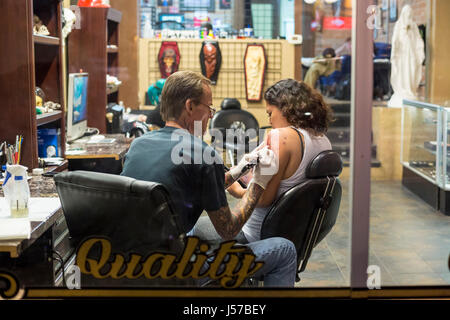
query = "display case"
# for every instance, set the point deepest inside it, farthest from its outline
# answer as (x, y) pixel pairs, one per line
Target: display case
(425, 152)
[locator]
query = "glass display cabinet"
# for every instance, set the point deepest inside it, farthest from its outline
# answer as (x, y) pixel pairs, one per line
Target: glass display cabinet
(425, 152)
(445, 164)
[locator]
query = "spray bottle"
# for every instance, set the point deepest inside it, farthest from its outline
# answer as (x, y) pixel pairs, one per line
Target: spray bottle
(16, 190)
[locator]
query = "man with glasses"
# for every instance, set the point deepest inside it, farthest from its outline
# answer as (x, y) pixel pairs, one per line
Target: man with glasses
(193, 173)
(212, 110)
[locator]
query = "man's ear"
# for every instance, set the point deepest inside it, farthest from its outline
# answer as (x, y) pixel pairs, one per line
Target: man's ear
(189, 106)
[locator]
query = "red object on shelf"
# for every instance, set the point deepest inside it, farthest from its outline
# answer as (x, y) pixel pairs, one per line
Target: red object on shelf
(93, 3)
(85, 3)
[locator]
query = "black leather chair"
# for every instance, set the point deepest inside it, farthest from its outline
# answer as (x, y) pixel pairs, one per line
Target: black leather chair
(136, 216)
(306, 213)
(245, 128)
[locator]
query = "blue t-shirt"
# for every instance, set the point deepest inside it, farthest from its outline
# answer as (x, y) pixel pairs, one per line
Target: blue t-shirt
(192, 171)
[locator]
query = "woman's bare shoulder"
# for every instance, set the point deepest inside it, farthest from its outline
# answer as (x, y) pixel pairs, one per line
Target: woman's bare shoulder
(283, 137)
(282, 132)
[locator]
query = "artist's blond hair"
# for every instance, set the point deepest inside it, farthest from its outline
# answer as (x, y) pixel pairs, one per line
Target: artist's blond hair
(179, 87)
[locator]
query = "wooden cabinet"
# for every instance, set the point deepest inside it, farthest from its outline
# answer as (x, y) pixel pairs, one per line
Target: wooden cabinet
(94, 48)
(39, 261)
(28, 61)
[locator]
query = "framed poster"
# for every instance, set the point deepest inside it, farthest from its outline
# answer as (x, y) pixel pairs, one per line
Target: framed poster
(225, 4)
(255, 63)
(193, 5)
(392, 10)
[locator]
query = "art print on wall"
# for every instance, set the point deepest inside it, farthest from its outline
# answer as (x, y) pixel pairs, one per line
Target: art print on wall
(255, 63)
(225, 4)
(168, 58)
(393, 10)
(210, 60)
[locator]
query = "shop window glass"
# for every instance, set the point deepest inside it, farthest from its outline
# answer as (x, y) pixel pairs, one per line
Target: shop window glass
(325, 25)
(409, 221)
(329, 26)
(268, 19)
(409, 217)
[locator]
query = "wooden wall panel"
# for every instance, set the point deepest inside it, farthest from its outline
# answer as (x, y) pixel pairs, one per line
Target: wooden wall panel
(128, 52)
(87, 53)
(17, 78)
(298, 30)
(230, 84)
(439, 47)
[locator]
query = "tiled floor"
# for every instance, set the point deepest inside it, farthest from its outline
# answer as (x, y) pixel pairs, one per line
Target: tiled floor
(409, 241)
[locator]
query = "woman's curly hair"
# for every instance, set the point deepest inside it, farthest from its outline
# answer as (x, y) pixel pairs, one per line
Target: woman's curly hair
(302, 106)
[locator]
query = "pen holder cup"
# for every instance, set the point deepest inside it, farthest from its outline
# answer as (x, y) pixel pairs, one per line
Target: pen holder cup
(2, 159)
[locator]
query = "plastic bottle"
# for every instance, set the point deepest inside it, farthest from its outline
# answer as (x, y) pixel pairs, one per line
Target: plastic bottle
(148, 31)
(248, 32)
(16, 190)
(19, 199)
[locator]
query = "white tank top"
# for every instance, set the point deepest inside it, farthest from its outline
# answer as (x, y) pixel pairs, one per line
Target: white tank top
(313, 146)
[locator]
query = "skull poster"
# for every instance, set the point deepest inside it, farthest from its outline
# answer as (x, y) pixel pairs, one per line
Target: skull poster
(210, 60)
(168, 58)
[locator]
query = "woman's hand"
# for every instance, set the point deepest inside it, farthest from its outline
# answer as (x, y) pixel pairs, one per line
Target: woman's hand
(236, 190)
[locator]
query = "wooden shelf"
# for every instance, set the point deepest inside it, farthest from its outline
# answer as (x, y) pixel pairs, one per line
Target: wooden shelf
(95, 49)
(48, 117)
(45, 40)
(39, 63)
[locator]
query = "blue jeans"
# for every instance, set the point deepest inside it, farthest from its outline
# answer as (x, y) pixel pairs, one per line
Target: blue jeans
(278, 254)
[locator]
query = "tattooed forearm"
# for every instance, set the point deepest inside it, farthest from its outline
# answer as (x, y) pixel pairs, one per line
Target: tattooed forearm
(229, 222)
(248, 203)
(228, 180)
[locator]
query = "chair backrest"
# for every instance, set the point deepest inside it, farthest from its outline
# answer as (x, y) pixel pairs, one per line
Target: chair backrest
(136, 216)
(306, 213)
(230, 103)
(245, 128)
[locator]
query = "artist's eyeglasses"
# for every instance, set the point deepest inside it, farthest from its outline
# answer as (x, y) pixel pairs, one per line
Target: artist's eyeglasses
(212, 111)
